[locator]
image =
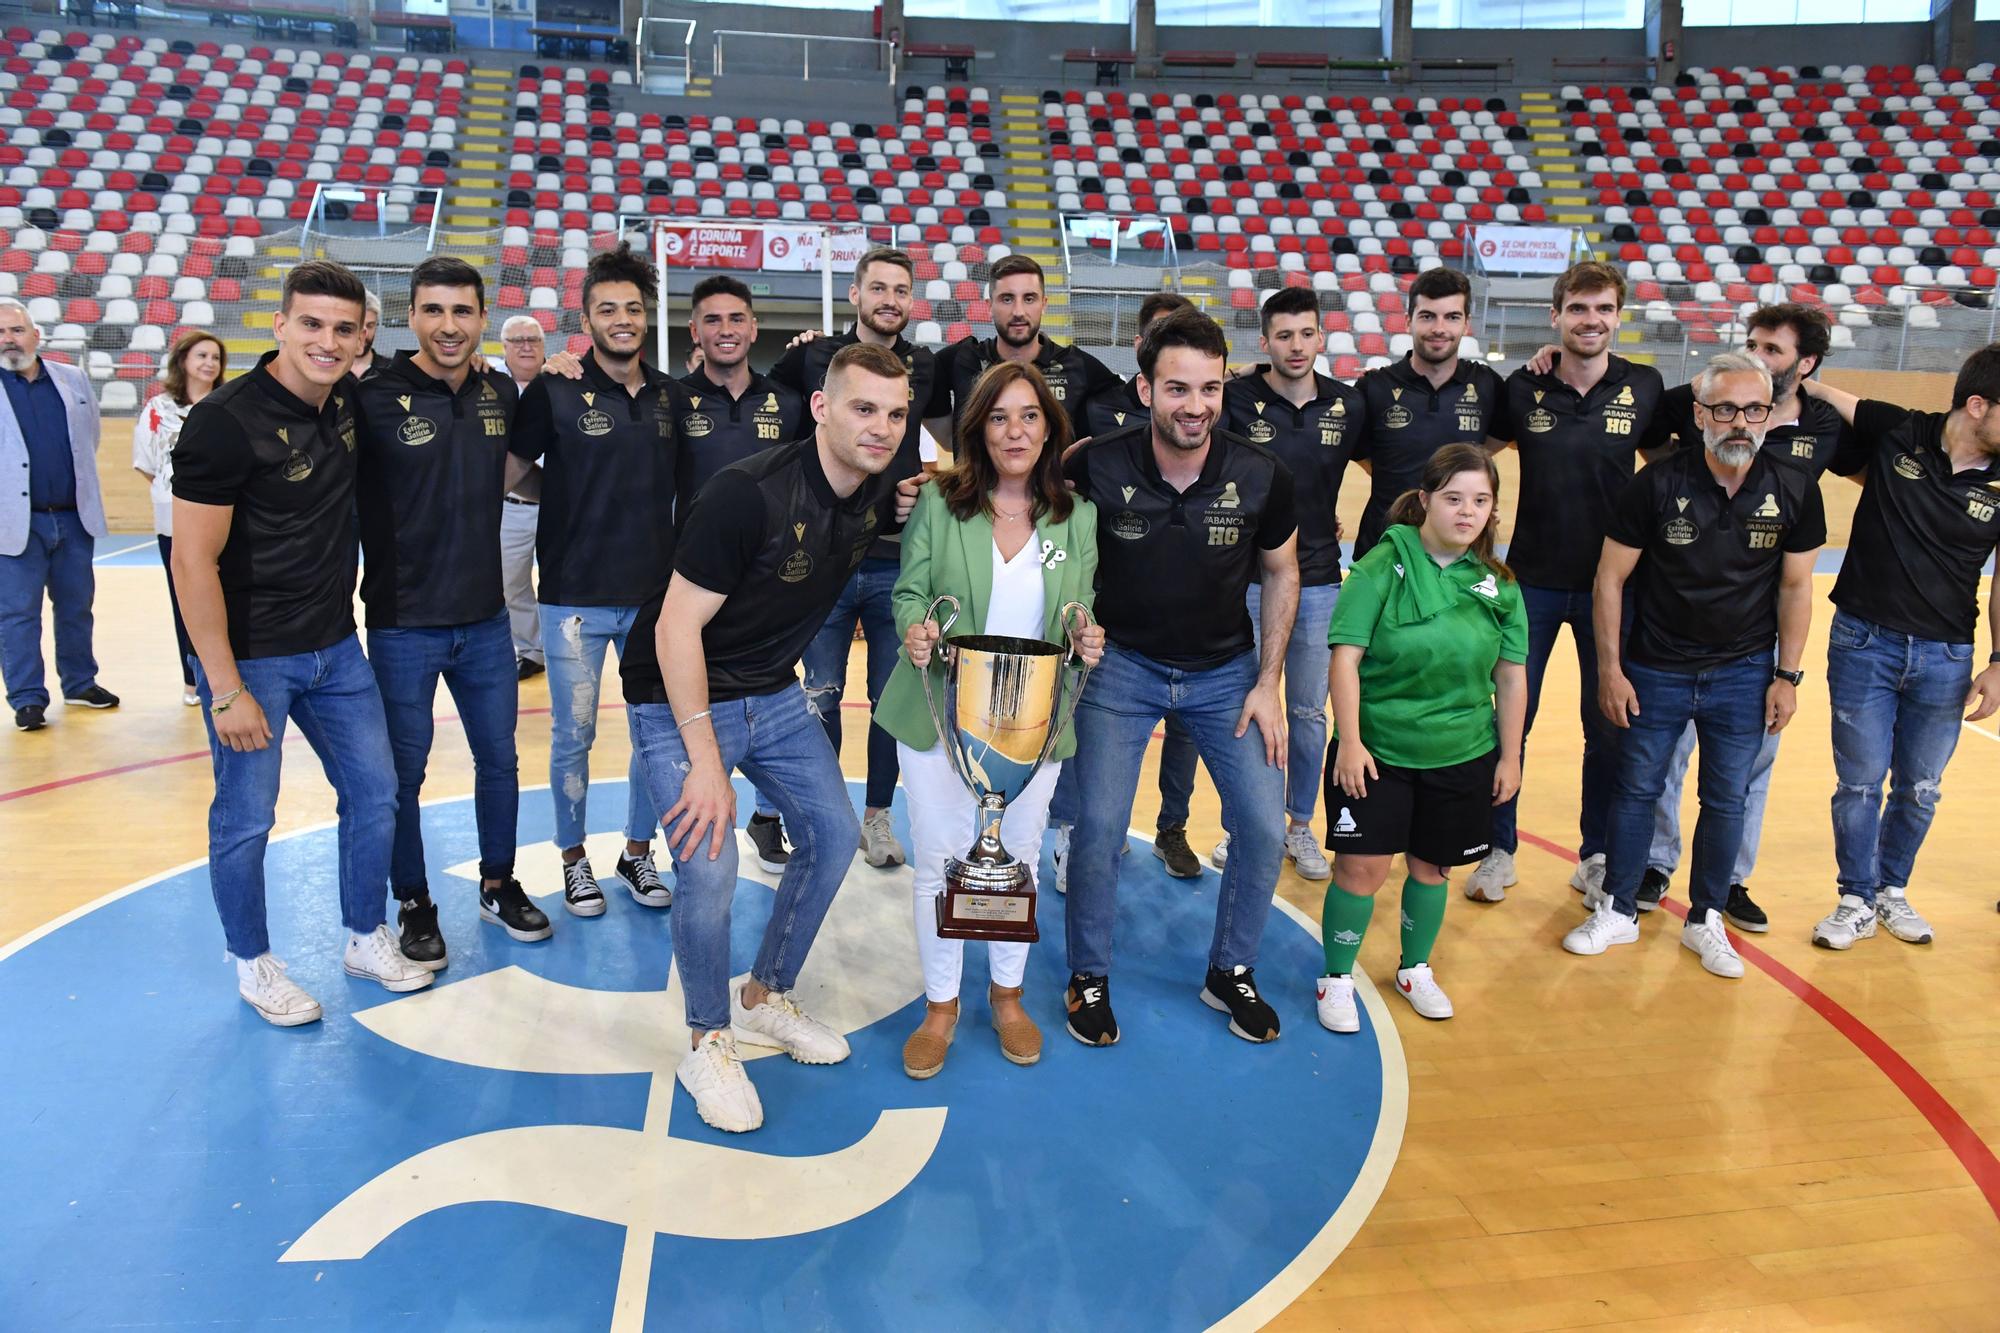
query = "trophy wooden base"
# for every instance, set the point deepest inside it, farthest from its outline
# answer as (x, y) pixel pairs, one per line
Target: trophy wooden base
(973, 912)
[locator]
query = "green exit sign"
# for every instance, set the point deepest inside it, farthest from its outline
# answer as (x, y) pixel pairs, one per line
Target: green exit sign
(760, 289)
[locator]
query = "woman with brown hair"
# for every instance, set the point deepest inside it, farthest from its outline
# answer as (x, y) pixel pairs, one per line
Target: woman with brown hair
(1430, 692)
(195, 365)
(1001, 532)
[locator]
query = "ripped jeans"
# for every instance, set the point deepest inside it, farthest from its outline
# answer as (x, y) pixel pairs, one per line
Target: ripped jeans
(574, 639)
(1306, 659)
(1897, 701)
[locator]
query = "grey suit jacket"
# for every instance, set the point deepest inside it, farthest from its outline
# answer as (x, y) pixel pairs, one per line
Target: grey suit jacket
(81, 402)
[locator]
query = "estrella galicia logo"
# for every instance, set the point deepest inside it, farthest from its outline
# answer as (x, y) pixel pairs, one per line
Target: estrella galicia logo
(511, 1147)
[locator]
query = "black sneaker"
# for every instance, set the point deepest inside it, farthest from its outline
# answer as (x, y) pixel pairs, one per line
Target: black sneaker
(30, 717)
(417, 919)
(1235, 993)
(643, 882)
(508, 907)
(767, 835)
(580, 892)
(94, 697)
(1743, 914)
(1170, 844)
(1088, 1000)
(527, 668)
(1653, 886)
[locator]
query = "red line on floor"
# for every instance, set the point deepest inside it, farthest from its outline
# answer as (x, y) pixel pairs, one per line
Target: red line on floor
(1971, 1150)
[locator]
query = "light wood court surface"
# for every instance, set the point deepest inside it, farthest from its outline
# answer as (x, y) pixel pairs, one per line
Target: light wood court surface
(1614, 1141)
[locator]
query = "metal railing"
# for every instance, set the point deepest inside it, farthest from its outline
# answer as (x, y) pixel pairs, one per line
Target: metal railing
(886, 49)
(639, 49)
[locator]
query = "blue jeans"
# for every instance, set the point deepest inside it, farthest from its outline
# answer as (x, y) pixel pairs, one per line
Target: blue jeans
(331, 694)
(776, 742)
(1549, 609)
(1897, 702)
(57, 557)
(1177, 760)
(477, 663)
(1665, 855)
(1726, 705)
(573, 641)
(1127, 696)
(867, 597)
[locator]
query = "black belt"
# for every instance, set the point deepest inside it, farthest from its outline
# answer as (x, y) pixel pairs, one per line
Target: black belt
(54, 509)
(530, 503)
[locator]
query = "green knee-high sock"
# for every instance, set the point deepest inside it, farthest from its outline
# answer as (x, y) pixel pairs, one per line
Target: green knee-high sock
(1423, 917)
(1343, 920)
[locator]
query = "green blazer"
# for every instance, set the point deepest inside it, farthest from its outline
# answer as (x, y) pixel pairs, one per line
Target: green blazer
(941, 554)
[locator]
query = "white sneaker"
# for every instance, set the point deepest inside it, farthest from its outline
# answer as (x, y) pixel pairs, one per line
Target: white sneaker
(377, 957)
(1220, 856)
(1306, 857)
(1061, 858)
(1900, 919)
(1420, 988)
(190, 697)
(1852, 921)
(1604, 927)
(1588, 878)
(1708, 939)
(878, 841)
(1492, 877)
(779, 1022)
(1336, 1005)
(279, 1000)
(723, 1094)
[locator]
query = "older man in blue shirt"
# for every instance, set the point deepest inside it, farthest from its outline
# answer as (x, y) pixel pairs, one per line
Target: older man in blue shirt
(51, 515)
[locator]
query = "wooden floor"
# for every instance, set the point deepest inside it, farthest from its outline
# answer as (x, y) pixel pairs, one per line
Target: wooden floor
(1614, 1141)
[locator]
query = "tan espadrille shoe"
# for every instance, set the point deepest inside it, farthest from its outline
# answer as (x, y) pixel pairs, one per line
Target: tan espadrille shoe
(924, 1052)
(1020, 1039)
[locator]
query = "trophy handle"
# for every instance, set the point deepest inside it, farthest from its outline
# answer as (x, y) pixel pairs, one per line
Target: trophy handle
(944, 627)
(1072, 664)
(947, 730)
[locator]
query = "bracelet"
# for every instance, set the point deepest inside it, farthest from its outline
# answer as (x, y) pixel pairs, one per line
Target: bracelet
(222, 705)
(682, 724)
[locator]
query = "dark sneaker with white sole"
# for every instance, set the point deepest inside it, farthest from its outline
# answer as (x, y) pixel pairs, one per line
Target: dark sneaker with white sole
(417, 923)
(1234, 992)
(1088, 1000)
(509, 907)
(31, 717)
(1170, 844)
(643, 882)
(1744, 914)
(96, 696)
(767, 836)
(580, 892)
(1652, 887)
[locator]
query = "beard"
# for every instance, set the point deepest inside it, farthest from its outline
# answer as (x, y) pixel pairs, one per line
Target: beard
(867, 318)
(1732, 448)
(1783, 382)
(1166, 428)
(17, 361)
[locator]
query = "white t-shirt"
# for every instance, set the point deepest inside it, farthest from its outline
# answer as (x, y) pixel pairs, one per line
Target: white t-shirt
(1017, 606)
(153, 436)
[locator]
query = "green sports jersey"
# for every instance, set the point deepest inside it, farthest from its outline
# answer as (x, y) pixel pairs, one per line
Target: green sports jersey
(1427, 683)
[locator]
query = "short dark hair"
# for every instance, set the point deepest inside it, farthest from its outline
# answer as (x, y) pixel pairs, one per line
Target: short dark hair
(1589, 276)
(447, 271)
(877, 361)
(323, 277)
(1184, 328)
(1288, 301)
(1013, 266)
(719, 284)
(623, 264)
(885, 254)
(1979, 377)
(1161, 303)
(1437, 284)
(1812, 329)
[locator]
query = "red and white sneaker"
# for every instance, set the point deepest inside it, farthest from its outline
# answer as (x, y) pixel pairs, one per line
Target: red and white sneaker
(1336, 1005)
(1420, 988)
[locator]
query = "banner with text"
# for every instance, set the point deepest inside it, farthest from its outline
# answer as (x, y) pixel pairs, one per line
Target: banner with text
(1524, 249)
(802, 250)
(713, 247)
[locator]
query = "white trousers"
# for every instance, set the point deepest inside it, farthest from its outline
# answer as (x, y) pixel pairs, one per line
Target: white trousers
(517, 564)
(943, 820)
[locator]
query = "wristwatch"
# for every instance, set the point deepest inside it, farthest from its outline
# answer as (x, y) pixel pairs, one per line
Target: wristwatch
(1792, 677)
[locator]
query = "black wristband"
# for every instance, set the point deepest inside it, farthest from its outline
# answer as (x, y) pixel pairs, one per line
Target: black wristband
(1792, 677)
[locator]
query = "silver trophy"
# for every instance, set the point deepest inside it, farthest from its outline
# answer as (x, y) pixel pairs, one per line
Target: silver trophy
(1006, 703)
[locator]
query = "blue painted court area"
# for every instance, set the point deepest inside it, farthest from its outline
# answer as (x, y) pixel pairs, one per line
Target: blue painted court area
(509, 1150)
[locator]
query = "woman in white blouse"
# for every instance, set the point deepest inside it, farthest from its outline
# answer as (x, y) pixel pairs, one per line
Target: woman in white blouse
(194, 366)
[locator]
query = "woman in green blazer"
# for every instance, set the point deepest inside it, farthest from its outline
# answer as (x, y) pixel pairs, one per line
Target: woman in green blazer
(1000, 531)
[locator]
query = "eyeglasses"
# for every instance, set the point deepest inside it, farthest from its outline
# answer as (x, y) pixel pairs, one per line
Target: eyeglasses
(522, 342)
(1754, 413)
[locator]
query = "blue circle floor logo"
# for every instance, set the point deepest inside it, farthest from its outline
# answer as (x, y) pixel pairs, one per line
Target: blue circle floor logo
(511, 1149)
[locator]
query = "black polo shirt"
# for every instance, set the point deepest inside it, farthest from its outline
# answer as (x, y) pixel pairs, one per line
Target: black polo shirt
(1810, 442)
(803, 370)
(432, 477)
(1577, 455)
(717, 430)
(1404, 421)
(1922, 533)
(1074, 376)
(1113, 407)
(287, 568)
(1711, 564)
(605, 536)
(1313, 441)
(770, 534)
(1173, 566)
